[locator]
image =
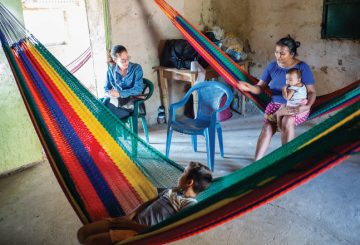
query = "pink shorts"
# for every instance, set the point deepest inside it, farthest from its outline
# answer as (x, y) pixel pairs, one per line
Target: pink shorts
(273, 107)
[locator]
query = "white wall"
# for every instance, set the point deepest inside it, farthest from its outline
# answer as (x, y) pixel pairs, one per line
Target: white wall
(19, 144)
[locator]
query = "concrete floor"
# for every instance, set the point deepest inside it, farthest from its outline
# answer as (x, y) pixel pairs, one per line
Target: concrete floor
(326, 210)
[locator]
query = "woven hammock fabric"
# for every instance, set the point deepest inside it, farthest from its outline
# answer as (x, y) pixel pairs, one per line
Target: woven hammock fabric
(106, 170)
(92, 155)
(232, 72)
(102, 167)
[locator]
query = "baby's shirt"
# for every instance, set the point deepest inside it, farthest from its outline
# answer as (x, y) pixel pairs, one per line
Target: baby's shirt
(299, 96)
(275, 77)
(169, 203)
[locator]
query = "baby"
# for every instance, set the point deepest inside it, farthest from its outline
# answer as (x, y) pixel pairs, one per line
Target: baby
(196, 178)
(294, 92)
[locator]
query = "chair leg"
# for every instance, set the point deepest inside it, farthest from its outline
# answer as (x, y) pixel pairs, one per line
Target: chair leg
(134, 142)
(134, 124)
(210, 147)
(221, 145)
(119, 130)
(168, 141)
(144, 124)
(127, 121)
(194, 142)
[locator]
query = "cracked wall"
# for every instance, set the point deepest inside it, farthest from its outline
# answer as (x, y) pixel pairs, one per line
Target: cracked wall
(335, 63)
(141, 27)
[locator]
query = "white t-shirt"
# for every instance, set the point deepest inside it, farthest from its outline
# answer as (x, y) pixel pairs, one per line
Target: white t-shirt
(299, 96)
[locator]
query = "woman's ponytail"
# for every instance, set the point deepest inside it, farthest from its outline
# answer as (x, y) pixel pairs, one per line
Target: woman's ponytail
(290, 43)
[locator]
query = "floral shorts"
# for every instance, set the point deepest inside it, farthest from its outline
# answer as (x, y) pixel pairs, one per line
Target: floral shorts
(273, 107)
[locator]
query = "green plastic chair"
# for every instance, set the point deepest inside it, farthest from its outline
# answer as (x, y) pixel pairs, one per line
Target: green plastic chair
(132, 120)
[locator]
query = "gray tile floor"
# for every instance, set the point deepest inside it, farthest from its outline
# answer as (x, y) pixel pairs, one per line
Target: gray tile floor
(326, 210)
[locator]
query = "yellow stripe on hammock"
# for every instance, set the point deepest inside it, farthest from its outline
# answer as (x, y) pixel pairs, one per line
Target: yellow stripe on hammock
(226, 201)
(188, 219)
(135, 177)
(339, 124)
(51, 159)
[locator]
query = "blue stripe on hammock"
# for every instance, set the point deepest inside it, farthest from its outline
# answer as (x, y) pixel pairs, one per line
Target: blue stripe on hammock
(102, 189)
(324, 109)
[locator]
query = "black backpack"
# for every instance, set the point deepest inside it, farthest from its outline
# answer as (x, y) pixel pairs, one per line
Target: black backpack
(178, 53)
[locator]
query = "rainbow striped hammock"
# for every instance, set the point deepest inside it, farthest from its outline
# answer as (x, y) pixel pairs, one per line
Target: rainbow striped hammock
(232, 72)
(106, 170)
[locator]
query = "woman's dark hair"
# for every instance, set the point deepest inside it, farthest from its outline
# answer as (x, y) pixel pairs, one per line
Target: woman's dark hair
(201, 175)
(290, 43)
(116, 49)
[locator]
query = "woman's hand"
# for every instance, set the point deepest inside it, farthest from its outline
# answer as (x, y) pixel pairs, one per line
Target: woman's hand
(114, 93)
(243, 86)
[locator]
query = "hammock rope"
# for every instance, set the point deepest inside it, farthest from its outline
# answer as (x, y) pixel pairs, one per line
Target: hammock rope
(80, 61)
(232, 72)
(106, 170)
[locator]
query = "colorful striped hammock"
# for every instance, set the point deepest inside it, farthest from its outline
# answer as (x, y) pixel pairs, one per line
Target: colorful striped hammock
(232, 72)
(106, 170)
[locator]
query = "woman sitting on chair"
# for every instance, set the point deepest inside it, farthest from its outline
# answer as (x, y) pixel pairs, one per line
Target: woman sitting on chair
(274, 77)
(124, 80)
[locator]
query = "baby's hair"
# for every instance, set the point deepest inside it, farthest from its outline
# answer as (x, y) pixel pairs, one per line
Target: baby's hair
(294, 71)
(200, 174)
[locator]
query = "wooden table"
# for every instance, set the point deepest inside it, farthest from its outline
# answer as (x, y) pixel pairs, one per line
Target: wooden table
(165, 74)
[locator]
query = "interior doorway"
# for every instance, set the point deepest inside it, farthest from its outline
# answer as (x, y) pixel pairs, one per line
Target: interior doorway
(62, 27)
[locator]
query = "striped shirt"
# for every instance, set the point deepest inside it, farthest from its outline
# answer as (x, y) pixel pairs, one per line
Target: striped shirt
(169, 203)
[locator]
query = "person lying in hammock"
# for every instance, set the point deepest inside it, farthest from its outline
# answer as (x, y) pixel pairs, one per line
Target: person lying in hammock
(196, 178)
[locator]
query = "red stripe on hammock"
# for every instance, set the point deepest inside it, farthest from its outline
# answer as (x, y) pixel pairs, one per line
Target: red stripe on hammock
(79, 177)
(251, 201)
(113, 176)
(325, 98)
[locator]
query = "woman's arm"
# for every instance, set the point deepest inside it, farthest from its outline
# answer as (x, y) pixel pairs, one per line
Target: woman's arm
(140, 208)
(109, 89)
(137, 88)
(311, 95)
(109, 81)
(308, 78)
(254, 89)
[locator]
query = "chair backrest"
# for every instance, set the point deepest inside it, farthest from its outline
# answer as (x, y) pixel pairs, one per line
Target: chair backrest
(210, 95)
(148, 88)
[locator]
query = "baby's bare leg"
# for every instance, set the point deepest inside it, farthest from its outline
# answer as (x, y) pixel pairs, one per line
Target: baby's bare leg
(279, 115)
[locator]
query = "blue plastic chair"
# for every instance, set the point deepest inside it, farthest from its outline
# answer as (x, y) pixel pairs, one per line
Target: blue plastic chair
(210, 95)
